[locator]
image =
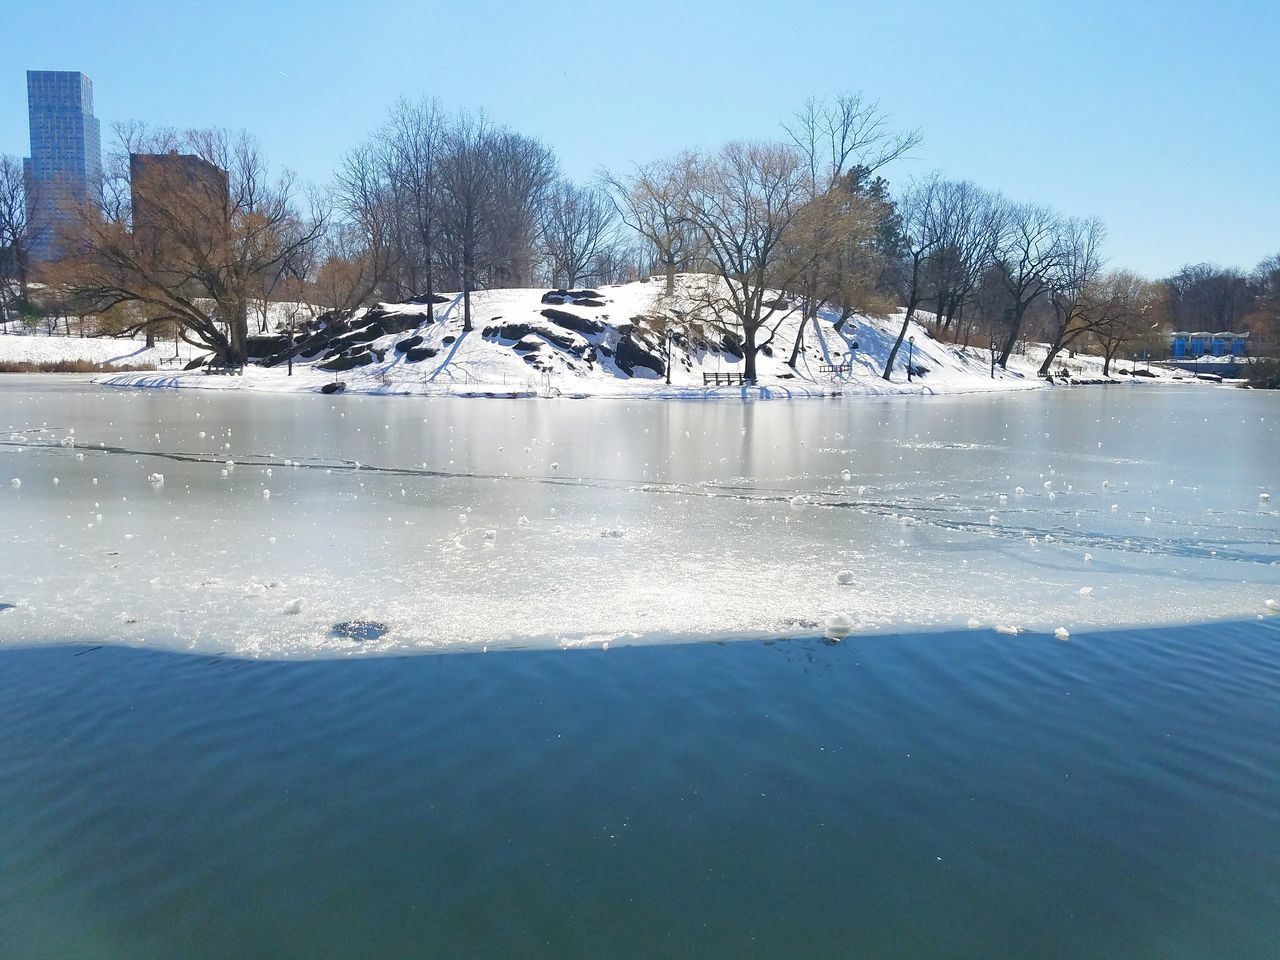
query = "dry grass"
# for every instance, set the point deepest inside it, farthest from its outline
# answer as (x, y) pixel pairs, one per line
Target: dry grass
(69, 366)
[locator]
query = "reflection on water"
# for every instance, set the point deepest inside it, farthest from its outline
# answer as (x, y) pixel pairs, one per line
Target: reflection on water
(966, 795)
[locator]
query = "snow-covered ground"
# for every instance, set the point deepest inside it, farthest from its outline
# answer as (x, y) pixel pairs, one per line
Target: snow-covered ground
(517, 350)
(540, 357)
(38, 348)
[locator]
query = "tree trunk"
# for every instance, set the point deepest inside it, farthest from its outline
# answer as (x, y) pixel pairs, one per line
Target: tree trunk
(912, 302)
(239, 333)
(431, 291)
(1013, 336)
(750, 349)
(467, 260)
(1049, 357)
(671, 278)
(795, 347)
(897, 344)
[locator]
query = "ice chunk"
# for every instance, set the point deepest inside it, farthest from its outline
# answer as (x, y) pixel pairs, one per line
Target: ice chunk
(1062, 634)
(838, 625)
(845, 577)
(293, 606)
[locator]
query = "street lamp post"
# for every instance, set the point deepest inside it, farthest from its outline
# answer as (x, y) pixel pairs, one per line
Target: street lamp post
(993, 358)
(911, 354)
(290, 351)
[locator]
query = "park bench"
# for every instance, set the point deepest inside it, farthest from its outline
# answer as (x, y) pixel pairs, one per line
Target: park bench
(227, 368)
(837, 368)
(723, 380)
(172, 361)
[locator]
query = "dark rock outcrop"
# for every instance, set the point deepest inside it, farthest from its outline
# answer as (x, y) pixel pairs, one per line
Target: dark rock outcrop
(347, 362)
(586, 298)
(631, 354)
(571, 321)
(408, 344)
(418, 354)
(522, 331)
(336, 387)
(259, 348)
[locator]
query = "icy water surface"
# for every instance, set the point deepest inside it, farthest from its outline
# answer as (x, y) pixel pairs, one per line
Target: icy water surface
(966, 795)
(300, 526)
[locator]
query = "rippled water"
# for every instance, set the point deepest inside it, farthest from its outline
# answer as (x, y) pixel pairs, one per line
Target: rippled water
(961, 795)
(465, 524)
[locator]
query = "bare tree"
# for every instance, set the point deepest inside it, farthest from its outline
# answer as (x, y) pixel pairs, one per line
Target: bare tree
(1029, 250)
(744, 200)
(968, 232)
(368, 234)
(921, 233)
(844, 141)
(576, 222)
(834, 246)
(1205, 297)
(1130, 310)
(653, 201)
(1264, 316)
(211, 225)
(523, 172)
(466, 179)
(410, 149)
(15, 241)
(1077, 310)
(846, 131)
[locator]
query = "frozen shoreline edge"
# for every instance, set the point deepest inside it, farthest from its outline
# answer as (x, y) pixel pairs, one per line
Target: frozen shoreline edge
(360, 651)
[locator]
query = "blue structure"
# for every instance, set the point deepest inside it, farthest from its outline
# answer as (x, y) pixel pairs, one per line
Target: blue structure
(1193, 346)
(65, 165)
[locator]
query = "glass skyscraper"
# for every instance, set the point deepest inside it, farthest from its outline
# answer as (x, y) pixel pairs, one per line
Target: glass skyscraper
(65, 165)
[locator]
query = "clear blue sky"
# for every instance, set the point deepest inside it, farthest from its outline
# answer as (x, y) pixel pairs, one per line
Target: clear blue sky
(1161, 118)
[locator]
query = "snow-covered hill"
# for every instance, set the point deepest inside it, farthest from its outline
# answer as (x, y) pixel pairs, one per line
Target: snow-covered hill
(608, 342)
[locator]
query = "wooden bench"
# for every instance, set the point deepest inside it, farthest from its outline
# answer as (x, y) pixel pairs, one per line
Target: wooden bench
(172, 361)
(227, 368)
(844, 368)
(724, 380)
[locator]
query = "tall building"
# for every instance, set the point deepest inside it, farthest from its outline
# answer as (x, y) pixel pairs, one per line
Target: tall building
(179, 204)
(65, 165)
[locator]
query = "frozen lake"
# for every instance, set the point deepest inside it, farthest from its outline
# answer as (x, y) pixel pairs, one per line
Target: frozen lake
(470, 524)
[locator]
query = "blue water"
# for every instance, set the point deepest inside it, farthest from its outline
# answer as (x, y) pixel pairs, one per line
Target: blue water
(961, 795)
